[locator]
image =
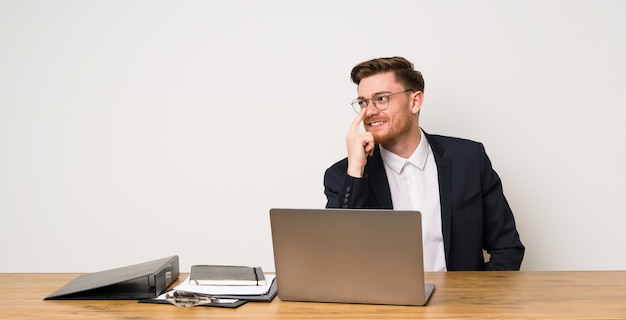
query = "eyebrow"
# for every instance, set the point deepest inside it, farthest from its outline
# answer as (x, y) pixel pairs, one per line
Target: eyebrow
(379, 93)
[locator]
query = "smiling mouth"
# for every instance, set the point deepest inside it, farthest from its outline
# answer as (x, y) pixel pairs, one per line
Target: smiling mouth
(376, 123)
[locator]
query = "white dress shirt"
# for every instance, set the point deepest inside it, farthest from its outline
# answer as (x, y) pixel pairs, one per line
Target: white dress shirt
(414, 186)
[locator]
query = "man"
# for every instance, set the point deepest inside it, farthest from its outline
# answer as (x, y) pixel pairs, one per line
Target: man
(396, 165)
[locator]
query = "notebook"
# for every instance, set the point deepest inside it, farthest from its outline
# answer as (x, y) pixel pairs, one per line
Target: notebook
(349, 256)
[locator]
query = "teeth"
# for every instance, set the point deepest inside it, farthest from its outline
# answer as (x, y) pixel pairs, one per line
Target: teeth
(375, 124)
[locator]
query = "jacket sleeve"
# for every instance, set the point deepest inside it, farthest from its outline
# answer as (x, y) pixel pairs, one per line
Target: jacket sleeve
(342, 190)
(500, 237)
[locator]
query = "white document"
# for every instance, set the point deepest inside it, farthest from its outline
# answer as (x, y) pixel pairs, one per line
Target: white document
(227, 290)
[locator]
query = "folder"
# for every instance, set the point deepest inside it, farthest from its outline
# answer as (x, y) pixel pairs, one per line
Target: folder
(222, 297)
(139, 281)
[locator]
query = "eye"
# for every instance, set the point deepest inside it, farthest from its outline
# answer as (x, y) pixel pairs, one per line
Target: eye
(362, 103)
(381, 99)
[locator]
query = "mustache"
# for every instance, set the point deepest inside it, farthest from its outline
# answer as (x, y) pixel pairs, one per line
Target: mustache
(374, 119)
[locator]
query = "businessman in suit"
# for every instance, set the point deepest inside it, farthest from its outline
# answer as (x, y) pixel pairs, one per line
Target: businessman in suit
(394, 164)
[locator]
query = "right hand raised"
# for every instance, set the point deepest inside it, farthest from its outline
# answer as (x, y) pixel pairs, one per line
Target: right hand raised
(360, 145)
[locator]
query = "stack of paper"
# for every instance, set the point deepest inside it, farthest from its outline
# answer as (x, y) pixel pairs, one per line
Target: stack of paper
(225, 296)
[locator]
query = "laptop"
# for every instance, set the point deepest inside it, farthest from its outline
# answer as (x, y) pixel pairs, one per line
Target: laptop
(349, 256)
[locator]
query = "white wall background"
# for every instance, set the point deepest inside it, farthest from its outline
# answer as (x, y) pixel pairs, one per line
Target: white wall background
(134, 130)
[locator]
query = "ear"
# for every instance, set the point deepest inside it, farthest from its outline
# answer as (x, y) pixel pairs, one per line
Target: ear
(418, 98)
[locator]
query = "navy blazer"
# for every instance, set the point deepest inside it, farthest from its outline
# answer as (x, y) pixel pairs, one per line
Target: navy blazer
(474, 212)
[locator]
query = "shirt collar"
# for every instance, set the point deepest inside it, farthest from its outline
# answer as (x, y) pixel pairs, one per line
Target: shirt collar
(418, 158)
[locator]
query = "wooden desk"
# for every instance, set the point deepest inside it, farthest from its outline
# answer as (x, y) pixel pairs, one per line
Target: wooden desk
(484, 295)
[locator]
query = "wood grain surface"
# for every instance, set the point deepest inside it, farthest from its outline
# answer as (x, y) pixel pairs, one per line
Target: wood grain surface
(479, 295)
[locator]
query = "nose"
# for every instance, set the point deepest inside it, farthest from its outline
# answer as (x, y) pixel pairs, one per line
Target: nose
(371, 109)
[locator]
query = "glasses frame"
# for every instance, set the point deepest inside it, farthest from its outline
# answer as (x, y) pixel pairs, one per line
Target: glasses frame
(357, 107)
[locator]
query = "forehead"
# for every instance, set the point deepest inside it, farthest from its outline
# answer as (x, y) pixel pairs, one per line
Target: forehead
(382, 82)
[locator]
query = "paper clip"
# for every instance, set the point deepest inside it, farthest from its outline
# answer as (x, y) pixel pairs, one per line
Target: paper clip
(185, 299)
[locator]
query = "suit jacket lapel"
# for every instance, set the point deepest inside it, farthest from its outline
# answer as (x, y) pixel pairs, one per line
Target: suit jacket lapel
(445, 191)
(378, 180)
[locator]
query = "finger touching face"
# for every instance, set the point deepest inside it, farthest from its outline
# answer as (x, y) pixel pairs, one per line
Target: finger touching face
(357, 121)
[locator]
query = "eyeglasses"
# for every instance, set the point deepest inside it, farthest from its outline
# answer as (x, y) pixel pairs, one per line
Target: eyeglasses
(380, 102)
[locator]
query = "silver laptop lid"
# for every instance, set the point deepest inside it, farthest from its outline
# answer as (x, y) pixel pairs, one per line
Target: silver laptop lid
(349, 256)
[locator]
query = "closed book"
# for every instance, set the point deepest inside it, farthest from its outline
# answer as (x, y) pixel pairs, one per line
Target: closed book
(218, 275)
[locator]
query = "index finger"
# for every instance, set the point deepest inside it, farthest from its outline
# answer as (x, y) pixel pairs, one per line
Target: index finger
(357, 120)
